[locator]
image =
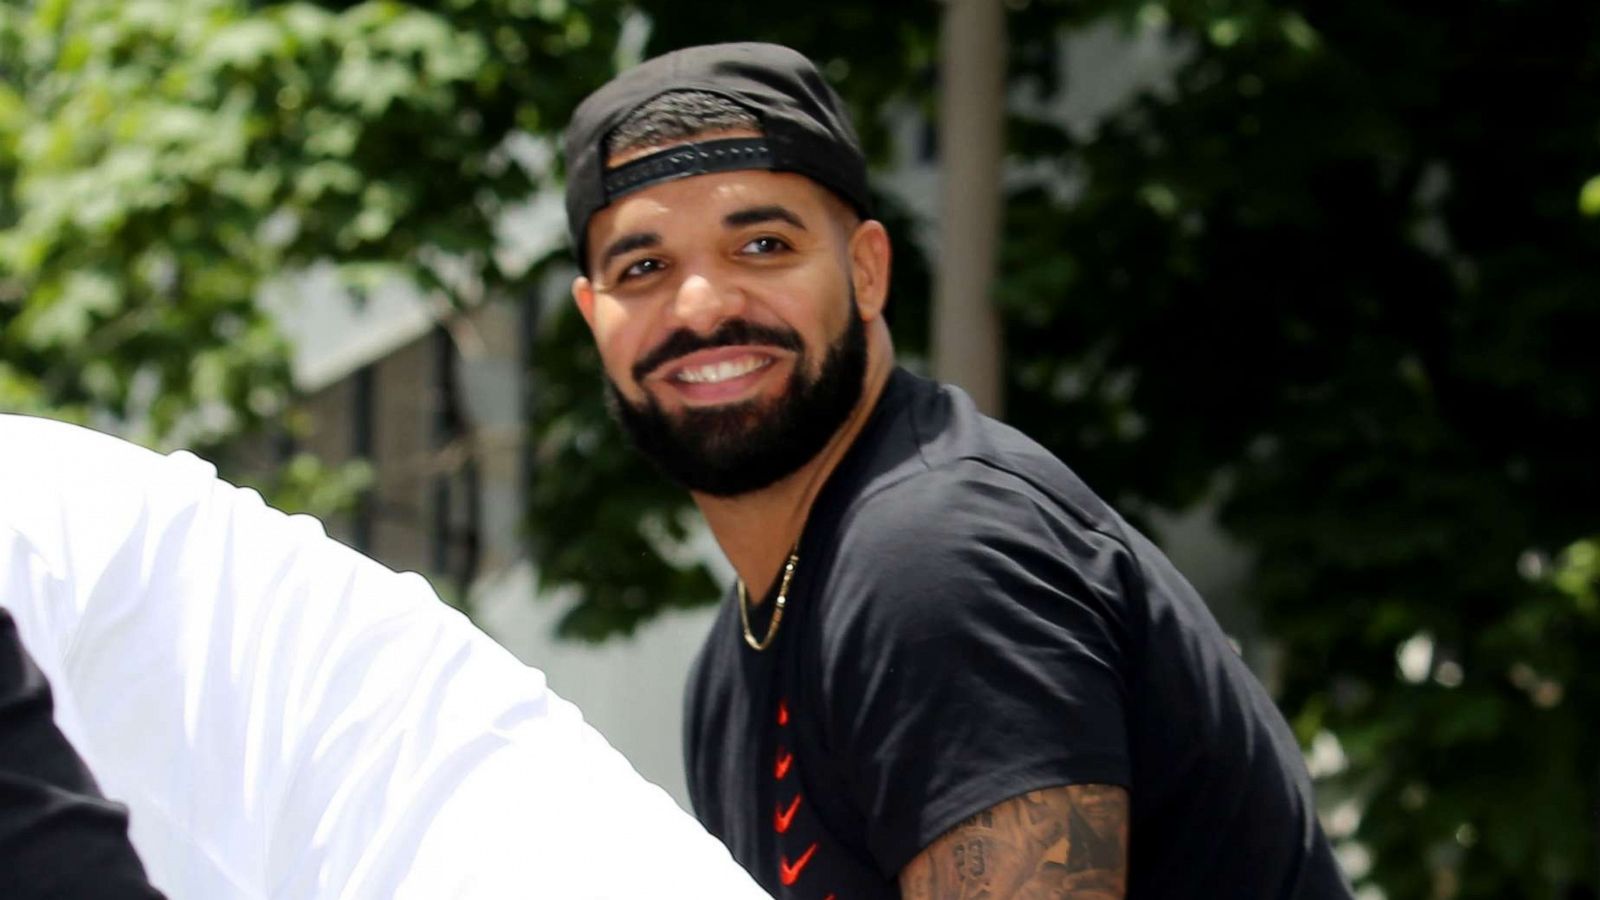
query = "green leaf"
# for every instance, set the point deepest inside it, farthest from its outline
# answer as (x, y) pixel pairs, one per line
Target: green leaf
(1589, 197)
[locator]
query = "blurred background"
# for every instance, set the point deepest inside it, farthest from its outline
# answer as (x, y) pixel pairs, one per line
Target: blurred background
(1310, 290)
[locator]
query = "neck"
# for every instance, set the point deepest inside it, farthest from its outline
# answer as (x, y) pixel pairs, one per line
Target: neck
(758, 530)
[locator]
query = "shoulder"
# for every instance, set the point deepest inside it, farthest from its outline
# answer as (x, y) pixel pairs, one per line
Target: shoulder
(935, 469)
(106, 542)
(967, 553)
(951, 499)
(967, 520)
(42, 441)
(51, 468)
(77, 498)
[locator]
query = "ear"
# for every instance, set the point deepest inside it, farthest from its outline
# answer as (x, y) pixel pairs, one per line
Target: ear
(869, 267)
(583, 297)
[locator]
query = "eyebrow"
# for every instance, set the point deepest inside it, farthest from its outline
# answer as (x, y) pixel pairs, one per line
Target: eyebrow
(755, 215)
(628, 243)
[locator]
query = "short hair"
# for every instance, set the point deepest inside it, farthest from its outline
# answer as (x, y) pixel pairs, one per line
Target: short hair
(677, 116)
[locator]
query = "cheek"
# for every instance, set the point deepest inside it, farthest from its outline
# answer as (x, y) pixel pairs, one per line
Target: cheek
(619, 338)
(825, 308)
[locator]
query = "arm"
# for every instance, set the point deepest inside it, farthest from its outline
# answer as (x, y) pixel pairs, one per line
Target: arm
(1064, 842)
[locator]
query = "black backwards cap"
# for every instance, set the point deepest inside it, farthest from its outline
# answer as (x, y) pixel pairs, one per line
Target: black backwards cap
(804, 128)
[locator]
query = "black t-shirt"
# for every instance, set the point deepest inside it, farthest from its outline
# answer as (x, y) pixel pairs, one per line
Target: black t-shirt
(968, 622)
(58, 837)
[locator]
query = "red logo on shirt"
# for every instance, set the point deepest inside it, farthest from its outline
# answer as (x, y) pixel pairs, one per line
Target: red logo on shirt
(783, 713)
(782, 817)
(782, 768)
(790, 874)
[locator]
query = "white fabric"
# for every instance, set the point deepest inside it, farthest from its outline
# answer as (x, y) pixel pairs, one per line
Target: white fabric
(285, 718)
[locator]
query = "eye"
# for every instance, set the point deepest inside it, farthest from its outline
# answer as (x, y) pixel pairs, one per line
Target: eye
(640, 268)
(765, 245)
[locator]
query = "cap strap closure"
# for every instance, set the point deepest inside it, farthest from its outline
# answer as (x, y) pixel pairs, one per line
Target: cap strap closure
(683, 160)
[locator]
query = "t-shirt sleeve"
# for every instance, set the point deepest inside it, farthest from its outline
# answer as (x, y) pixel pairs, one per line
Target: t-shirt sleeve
(973, 651)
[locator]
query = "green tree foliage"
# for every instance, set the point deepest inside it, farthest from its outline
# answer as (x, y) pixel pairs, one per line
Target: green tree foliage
(159, 159)
(1338, 280)
(95, 151)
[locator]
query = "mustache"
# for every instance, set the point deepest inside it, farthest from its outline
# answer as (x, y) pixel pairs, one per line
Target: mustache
(683, 342)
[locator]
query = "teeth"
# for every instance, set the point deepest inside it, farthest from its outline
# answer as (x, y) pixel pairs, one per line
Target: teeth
(717, 372)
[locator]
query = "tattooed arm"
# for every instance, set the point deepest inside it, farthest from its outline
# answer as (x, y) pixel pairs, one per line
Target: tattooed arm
(1066, 842)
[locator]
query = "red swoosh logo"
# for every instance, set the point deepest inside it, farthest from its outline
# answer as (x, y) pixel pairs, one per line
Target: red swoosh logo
(782, 817)
(782, 768)
(783, 713)
(790, 874)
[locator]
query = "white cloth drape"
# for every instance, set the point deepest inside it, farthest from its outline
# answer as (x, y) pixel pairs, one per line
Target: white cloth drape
(287, 719)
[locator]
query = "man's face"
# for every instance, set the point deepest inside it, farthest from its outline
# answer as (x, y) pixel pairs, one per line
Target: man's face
(724, 312)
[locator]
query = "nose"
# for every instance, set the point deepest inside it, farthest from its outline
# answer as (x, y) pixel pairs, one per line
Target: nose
(701, 304)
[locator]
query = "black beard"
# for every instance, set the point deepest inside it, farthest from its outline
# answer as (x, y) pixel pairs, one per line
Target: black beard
(736, 449)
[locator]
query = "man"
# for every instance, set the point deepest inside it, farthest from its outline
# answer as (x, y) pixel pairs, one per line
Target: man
(947, 668)
(282, 716)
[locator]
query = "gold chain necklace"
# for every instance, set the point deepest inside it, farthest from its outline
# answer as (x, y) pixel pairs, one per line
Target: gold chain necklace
(777, 609)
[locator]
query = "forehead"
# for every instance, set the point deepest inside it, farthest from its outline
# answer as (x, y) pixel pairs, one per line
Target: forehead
(699, 201)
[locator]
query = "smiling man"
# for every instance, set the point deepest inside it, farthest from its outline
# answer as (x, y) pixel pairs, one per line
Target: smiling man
(947, 668)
